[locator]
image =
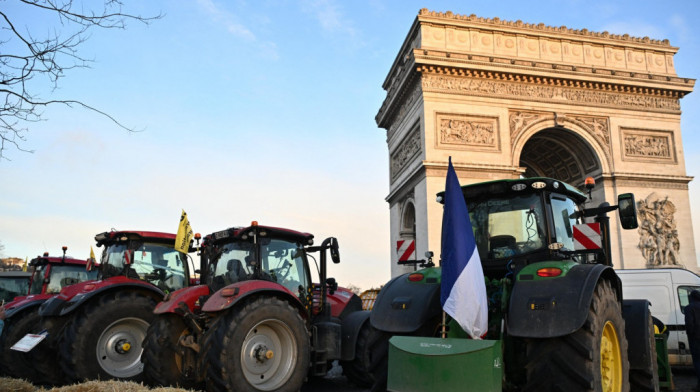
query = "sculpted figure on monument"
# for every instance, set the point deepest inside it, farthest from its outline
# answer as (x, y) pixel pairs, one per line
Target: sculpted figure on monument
(658, 237)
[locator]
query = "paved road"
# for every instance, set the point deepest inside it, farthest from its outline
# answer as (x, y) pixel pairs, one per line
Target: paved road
(684, 380)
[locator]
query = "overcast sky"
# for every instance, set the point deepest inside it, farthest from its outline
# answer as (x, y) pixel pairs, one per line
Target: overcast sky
(258, 110)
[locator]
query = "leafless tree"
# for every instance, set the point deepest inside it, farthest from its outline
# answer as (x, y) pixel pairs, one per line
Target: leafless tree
(31, 59)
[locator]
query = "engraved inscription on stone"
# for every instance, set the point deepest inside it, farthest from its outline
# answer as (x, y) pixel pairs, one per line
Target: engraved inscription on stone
(648, 145)
(462, 131)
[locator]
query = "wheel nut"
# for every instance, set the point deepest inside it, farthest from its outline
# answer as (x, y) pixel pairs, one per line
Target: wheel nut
(269, 354)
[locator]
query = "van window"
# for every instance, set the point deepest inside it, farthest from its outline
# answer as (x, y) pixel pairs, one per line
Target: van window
(683, 293)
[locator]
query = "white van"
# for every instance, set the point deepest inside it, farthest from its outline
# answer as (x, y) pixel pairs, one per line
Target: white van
(667, 289)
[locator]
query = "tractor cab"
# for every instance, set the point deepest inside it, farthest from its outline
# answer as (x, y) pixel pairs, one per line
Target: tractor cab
(146, 256)
(520, 222)
(51, 274)
(257, 253)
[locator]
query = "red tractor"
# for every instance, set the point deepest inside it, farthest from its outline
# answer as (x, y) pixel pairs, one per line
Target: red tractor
(13, 284)
(258, 323)
(95, 329)
(49, 275)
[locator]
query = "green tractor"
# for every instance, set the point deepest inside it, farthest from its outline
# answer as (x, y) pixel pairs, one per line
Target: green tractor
(556, 317)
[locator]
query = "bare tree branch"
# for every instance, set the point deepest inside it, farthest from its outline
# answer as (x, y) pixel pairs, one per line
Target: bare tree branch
(27, 57)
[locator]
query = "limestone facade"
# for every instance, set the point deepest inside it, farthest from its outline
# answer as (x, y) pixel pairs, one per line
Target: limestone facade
(508, 99)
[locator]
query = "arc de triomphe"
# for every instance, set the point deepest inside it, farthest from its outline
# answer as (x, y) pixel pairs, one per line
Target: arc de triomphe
(508, 99)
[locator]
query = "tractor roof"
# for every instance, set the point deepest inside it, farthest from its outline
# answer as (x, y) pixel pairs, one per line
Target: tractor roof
(242, 233)
(489, 189)
(15, 274)
(110, 236)
(43, 260)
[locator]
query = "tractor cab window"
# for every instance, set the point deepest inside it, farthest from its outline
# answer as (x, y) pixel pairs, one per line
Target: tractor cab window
(564, 212)
(508, 227)
(38, 279)
(156, 263)
(284, 262)
(11, 287)
(66, 275)
(234, 263)
(161, 265)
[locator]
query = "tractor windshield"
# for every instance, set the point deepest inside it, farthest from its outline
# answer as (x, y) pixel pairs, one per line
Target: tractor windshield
(38, 279)
(508, 227)
(11, 287)
(232, 264)
(156, 263)
(62, 275)
(280, 261)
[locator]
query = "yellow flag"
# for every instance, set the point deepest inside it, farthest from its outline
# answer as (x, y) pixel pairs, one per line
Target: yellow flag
(91, 261)
(184, 234)
(24, 267)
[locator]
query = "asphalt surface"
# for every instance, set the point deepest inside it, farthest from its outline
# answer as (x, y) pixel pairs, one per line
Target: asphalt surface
(684, 380)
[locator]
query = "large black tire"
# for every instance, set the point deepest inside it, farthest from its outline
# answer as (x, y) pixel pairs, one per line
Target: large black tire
(163, 358)
(357, 370)
(16, 363)
(104, 341)
(647, 379)
(378, 364)
(45, 358)
(594, 358)
(261, 346)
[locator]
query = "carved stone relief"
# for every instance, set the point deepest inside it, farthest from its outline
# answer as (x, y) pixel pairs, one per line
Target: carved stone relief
(547, 93)
(520, 121)
(597, 127)
(644, 145)
(462, 131)
(411, 98)
(658, 236)
(409, 148)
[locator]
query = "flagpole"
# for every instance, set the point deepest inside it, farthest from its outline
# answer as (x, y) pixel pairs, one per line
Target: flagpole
(443, 333)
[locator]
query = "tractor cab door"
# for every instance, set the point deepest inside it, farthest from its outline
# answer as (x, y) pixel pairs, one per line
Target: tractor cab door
(285, 263)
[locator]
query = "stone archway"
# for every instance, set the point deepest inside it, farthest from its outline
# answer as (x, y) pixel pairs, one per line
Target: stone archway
(507, 99)
(560, 154)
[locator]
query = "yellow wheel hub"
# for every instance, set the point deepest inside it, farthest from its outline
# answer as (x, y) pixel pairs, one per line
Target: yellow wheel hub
(610, 359)
(126, 347)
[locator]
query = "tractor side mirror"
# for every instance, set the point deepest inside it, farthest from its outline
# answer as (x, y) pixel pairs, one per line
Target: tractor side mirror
(335, 253)
(332, 285)
(628, 211)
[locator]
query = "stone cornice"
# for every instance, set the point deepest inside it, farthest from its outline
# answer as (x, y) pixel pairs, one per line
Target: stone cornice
(608, 85)
(648, 177)
(459, 63)
(540, 28)
(437, 168)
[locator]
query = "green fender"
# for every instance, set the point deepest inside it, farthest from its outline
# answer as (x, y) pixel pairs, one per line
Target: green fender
(557, 306)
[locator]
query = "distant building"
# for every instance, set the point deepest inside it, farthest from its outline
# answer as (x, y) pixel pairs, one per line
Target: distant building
(11, 264)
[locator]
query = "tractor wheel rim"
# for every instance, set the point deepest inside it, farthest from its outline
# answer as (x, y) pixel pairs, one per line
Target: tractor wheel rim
(119, 347)
(179, 361)
(610, 359)
(269, 355)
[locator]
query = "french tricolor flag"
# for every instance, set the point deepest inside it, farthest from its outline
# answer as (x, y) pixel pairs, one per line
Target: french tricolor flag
(463, 291)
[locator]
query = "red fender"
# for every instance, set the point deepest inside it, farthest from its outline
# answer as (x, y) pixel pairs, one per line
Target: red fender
(339, 300)
(188, 295)
(231, 294)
